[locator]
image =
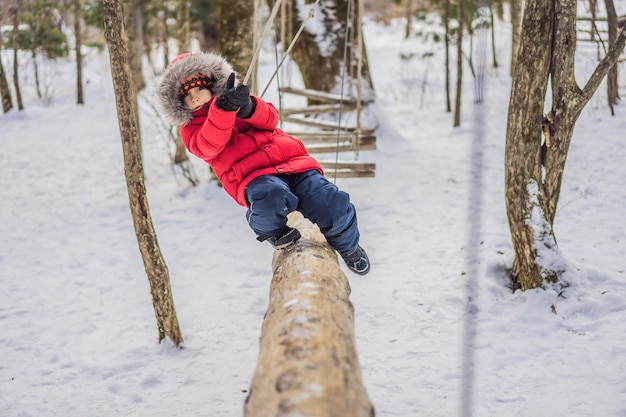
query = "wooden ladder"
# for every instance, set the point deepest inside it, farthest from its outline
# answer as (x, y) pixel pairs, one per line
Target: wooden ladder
(328, 137)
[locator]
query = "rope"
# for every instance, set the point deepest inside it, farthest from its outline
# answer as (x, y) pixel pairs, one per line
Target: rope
(293, 42)
(257, 50)
(279, 33)
(310, 15)
(343, 76)
(359, 106)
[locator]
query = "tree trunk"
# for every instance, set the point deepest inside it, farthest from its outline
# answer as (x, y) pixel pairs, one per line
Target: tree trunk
(593, 9)
(611, 79)
(409, 18)
(33, 55)
(533, 175)
(523, 138)
(166, 35)
(322, 67)
(235, 28)
(15, 11)
(567, 97)
(308, 363)
(459, 68)
(493, 37)
(446, 25)
(79, 56)
(183, 25)
(517, 7)
(5, 93)
(134, 19)
(156, 269)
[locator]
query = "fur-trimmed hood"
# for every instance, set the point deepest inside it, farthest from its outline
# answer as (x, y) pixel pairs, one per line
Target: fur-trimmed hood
(169, 103)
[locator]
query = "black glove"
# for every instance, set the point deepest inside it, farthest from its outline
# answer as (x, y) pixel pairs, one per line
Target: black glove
(236, 98)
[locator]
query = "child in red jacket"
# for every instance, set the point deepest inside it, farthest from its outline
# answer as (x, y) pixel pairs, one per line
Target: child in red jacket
(260, 166)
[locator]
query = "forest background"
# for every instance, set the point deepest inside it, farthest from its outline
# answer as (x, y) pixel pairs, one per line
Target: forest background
(588, 312)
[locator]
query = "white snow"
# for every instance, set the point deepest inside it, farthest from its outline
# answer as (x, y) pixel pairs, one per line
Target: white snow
(438, 330)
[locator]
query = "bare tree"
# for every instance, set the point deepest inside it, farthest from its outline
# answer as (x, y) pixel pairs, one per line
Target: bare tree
(611, 79)
(446, 25)
(134, 19)
(182, 34)
(5, 93)
(183, 25)
(236, 35)
(156, 269)
(516, 28)
(459, 67)
(534, 167)
(337, 27)
(15, 13)
(492, 21)
(80, 99)
(409, 18)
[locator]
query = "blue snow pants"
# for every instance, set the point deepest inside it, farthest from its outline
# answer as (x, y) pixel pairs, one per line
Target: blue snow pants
(272, 197)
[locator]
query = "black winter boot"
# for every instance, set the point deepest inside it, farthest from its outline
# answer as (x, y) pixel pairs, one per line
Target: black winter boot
(357, 261)
(288, 236)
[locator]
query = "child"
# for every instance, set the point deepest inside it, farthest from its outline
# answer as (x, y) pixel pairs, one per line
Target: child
(259, 165)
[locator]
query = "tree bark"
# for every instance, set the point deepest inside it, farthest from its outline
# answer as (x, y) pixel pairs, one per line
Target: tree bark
(523, 136)
(79, 56)
(611, 79)
(308, 363)
(321, 68)
(183, 25)
(459, 68)
(235, 28)
(15, 11)
(446, 25)
(134, 17)
(534, 167)
(156, 269)
(567, 97)
(5, 93)
(493, 37)
(516, 28)
(409, 19)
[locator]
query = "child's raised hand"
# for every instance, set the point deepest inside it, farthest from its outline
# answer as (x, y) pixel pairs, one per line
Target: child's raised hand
(236, 98)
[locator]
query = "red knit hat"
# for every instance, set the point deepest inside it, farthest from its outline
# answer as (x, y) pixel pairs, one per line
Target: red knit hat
(193, 81)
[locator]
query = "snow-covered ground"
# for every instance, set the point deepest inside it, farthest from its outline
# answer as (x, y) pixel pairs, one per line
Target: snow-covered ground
(438, 330)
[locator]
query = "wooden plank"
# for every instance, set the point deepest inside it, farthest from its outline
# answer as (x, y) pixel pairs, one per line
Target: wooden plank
(320, 124)
(329, 137)
(317, 109)
(349, 169)
(348, 173)
(325, 124)
(308, 364)
(367, 143)
(319, 95)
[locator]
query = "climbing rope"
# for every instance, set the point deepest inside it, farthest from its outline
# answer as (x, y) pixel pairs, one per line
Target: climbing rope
(310, 15)
(343, 76)
(287, 52)
(258, 46)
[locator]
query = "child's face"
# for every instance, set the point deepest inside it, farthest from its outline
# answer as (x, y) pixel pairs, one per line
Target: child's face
(197, 97)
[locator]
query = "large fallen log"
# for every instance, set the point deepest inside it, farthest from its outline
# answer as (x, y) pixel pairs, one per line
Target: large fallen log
(308, 364)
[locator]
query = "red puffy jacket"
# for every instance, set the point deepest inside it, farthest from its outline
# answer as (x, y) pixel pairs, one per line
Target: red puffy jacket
(240, 150)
